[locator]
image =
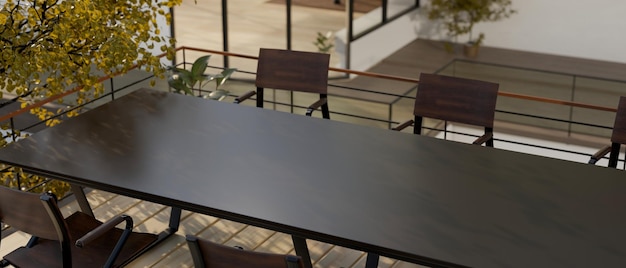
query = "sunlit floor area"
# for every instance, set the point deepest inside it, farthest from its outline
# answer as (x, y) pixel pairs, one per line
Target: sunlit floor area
(252, 24)
(173, 252)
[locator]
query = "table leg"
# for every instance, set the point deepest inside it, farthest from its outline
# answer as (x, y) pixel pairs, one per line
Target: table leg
(302, 250)
(173, 225)
(372, 260)
(79, 194)
(171, 229)
(174, 219)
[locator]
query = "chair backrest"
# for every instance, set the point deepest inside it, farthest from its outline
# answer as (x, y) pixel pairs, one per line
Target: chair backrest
(26, 212)
(211, 255)
(456, 99)
(293, 70)
(619, 126)
(618, 137)
(37, 215)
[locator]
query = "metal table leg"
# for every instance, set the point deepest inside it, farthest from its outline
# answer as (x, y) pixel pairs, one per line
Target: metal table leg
(302, 250)
(372, 260)
(79, 194)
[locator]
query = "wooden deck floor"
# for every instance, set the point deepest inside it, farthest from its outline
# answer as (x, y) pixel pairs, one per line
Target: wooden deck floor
(173, 252)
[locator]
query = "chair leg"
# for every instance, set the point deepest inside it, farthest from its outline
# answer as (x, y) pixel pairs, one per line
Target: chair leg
(613, 157)
(325, 111)
(417, 125)
(259, 97)
(489, 142)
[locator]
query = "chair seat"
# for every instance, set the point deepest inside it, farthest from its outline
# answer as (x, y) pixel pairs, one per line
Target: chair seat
(47, 253)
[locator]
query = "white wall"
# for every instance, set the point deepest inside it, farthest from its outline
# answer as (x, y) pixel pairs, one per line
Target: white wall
(379, 44)
(594, 29)
(374, 47)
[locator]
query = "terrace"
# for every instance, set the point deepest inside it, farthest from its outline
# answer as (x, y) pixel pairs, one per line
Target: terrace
(552, 106)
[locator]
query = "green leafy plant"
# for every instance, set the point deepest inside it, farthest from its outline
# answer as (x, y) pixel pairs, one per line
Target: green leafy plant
(460, 16)
(185, 81)
(323, 42)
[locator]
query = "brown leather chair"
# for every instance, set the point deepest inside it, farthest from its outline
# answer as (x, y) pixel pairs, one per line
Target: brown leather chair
(455, 99)
(78, 241)
(211, 255)
(295, 71)
(618, 137)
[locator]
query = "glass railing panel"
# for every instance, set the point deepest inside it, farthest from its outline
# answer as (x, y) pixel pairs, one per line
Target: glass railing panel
(599, 92)
(402, 108)
(358, 111)
(366, 16)
(525, 82)
(124, 84)
(395, 7)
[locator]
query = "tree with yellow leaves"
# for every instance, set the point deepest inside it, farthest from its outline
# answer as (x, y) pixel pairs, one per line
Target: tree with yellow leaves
(50, 46)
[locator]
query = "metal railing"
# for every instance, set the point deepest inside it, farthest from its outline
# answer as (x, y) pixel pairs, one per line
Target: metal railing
(347, 102)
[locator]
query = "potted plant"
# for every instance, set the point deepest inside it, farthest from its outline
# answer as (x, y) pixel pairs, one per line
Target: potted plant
(185, 81)
(460, 16)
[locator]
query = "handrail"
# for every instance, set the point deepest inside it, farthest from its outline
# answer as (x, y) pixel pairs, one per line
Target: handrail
(58, 96)
(347, 71)
(375, 119)
(539, 70)
(411, 80)
(555, 101)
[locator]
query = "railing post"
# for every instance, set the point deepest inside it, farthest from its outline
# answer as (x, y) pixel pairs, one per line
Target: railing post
(349, 32)
(13, 135)
(14, 138)
(112, 89)
(571, 108)
(225, 31)
(288, 15)
(384, 11)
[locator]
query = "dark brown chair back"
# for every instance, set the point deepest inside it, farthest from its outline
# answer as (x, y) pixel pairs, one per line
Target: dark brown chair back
(618, 137)
(211, 255)
(619, 126)
(37, 215)
(293, 70)
(53, 237)
(455, 99)
(24, 211)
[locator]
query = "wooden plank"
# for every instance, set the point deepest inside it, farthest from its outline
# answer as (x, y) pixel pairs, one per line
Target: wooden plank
(159, 222)
(151, 217)
(383, 262)
(219, 232)
(13, 242)
(407, 265)
(250, 238)
(340, 257)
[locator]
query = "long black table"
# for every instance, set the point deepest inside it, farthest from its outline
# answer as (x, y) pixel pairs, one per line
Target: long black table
(404, 196)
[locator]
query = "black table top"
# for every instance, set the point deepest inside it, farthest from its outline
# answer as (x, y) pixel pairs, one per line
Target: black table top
(401, 195)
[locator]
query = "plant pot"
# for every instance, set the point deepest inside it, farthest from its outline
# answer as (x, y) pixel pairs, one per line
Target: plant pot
(470, 50)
